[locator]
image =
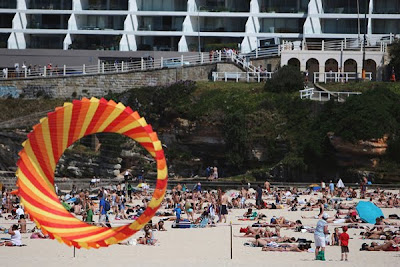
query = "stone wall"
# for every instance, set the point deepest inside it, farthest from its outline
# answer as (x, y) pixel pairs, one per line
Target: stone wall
(101, 84)
(275, 62)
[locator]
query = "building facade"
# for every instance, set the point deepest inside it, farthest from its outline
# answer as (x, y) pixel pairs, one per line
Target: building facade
(188, 25)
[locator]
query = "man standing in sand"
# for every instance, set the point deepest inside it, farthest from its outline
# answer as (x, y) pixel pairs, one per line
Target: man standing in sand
(319, 237)
(267, 186)
(224, 206)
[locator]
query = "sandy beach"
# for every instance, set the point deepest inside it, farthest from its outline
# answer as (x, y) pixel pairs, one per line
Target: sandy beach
(196, 247)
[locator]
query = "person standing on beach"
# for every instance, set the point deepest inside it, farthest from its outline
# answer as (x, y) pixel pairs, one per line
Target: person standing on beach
(331, 188)
(224, 206)
(259, 201)
(344, 243)
(267, 186)
(319, 236)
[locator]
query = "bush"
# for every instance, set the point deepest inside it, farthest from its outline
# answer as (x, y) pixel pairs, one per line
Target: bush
(287, 79)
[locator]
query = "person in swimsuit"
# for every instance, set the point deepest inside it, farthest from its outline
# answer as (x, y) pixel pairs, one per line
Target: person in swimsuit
(224, 206)
(15, 237)
(335, 237)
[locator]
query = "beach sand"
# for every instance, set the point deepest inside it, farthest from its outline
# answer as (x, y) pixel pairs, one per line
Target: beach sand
(195, 247)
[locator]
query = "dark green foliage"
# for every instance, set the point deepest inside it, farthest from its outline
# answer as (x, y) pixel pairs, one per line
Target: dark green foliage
(370, 115)
(287, 79)
(394, 52)
(236, 138)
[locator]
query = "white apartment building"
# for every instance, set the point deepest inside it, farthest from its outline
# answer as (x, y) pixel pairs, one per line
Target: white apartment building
(188, 25)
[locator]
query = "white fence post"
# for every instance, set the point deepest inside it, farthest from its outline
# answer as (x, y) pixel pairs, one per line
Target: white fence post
(84, 69)
(64, 70)
(202, 58)
(6, 73)
(162, 62)
(142, 64)
(257, 52)
(122, 66)
(26, 72)
(220, 56)
(102, 67)
(44, 71)
(323, 45)
(98, 65)
(182, 60)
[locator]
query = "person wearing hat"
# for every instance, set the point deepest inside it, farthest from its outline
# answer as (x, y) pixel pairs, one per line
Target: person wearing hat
(319, 236)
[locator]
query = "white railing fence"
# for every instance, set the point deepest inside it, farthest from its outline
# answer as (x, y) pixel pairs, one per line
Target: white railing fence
(340, 76)
(241, 76)
(313, 94)
(143, 64)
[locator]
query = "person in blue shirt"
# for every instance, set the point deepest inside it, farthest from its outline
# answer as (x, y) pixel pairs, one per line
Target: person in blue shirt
(198, 187)
(331, 188)
(319, 236)
(102, 207)
(178, 212)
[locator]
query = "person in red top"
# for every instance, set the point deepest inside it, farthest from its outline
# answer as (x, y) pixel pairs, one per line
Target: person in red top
(344, 243)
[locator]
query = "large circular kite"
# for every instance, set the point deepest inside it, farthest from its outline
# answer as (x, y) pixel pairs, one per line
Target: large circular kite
(44, 147)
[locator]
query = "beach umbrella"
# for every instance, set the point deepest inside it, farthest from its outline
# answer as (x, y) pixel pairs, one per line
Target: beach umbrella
(315, 187)
(368, 211)
(340, 184)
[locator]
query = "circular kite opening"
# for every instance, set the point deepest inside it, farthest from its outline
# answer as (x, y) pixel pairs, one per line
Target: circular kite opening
(44, 147)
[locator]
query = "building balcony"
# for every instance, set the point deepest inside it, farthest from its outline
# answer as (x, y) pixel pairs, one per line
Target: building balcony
(105, 5)
(161, 23)
(223, 6)
(165, 5)
(345, 6)
(342, 26)
(95, 22)
(387, 7)
(281, 25)
(44, 21)
(44, 41)
(222, 24)
(95, 42)
(157, 43)
(283, 6)
(386, 26)
(6, 20)
(11, 4)
(49, 4)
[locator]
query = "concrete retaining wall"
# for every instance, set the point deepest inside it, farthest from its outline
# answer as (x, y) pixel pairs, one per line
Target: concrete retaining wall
(101, 84)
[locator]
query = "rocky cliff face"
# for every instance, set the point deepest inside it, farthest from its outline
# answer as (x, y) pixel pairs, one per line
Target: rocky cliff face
(361, 153)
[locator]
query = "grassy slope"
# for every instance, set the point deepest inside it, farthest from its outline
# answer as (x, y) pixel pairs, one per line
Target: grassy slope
(15, 108)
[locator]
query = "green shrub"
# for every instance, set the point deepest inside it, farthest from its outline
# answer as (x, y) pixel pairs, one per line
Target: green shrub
(286, 80)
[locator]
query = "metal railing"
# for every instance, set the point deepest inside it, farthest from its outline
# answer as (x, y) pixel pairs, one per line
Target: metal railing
(339, 76)
(242, 76)
(312, 94)
(119, 67)
(264, 52)
(353, 44)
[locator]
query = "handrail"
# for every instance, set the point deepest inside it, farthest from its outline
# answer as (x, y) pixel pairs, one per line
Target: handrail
(238, 76)
(339, 76)
(313, 94)
(119, 67)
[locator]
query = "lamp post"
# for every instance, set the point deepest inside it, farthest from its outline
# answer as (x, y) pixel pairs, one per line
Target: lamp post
(198, 28)
(358, 18)
(365, 40)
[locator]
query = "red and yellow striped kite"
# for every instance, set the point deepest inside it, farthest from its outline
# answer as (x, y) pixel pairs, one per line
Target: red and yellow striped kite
(44, 147)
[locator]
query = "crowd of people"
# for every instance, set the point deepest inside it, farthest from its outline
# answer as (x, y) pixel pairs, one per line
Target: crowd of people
(195, 206)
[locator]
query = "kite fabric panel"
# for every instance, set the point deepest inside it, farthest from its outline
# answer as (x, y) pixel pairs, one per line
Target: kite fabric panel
(46, 144)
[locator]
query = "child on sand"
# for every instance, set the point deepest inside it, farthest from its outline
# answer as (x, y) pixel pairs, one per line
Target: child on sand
(344, 243)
